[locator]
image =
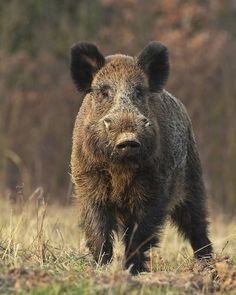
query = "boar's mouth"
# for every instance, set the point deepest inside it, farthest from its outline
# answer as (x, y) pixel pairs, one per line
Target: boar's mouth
(128, 144)
(127, 147)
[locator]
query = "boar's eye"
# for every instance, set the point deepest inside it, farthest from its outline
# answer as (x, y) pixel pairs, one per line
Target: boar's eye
(105, 91)
(139, 92)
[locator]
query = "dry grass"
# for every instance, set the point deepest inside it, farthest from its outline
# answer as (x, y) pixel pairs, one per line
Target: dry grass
(42, 251)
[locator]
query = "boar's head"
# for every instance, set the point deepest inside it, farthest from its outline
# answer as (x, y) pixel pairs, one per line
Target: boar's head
(119, 110)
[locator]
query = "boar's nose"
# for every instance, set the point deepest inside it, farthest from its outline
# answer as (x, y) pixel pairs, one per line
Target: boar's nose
(127, 145)
(132, 144)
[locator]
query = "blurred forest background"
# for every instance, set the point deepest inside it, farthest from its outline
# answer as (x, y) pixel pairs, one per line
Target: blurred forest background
(38, 101)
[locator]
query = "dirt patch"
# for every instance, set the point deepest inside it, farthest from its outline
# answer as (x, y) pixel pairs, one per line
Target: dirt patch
(197, 278)
(200, 277)
(185, 281)
(18, 279)
(226, 275)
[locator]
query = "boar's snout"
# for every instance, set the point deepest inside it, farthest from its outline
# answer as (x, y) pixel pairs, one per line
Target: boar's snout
(127, 145)
(140, 119)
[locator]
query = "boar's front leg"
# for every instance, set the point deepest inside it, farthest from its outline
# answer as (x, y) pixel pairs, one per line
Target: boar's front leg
(98, 224)
(140, 235)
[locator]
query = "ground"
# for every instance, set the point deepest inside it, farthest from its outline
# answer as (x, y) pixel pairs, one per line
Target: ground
(42, 251)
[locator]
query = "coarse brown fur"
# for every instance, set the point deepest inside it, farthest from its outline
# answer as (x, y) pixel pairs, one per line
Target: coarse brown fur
(134, 157)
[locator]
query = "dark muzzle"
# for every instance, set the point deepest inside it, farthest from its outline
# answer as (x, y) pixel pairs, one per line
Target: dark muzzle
(127, 145)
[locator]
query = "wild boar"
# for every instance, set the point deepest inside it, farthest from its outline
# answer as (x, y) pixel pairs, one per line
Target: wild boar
(134, 158)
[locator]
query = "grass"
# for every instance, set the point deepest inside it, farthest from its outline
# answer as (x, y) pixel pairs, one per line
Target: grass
(42, 251)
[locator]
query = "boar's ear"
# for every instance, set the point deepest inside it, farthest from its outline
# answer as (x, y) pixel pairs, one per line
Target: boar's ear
(85, 61)
(154, 61)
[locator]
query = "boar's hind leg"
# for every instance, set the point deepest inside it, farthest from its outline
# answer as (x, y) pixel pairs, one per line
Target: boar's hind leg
(192, 225)
(191, 216)
(98, 224)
